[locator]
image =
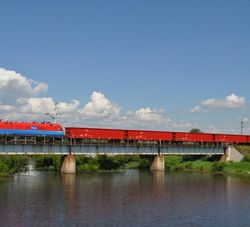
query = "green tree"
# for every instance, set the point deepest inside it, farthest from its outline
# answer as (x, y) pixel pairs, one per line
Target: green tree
(195, 130)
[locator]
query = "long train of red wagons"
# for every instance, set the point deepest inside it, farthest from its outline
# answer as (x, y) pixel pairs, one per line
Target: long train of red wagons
(142, 135)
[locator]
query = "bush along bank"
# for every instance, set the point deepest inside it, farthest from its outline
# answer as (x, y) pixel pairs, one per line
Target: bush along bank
(109, 163)
(205, 164)
(12, 164)
(47, 162)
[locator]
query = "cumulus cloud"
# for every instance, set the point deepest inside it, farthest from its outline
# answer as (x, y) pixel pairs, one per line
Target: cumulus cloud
(100, 107)
(18, 98)
(13, 85)
(69, 107)
(151, 115)
(21, 99)
(229, 102)
(196, 109)
(35, 105)
(6, 107)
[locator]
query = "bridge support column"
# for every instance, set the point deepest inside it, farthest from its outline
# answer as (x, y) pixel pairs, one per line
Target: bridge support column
(231, 154)
(157, 163)
(68, 164)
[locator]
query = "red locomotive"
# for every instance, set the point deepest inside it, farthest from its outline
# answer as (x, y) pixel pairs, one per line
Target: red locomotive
(15, 128)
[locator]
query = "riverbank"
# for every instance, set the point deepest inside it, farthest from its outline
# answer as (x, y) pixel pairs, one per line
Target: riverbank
(13, 164)
(178, 163)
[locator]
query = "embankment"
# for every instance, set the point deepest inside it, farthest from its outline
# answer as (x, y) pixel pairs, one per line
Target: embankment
(13, 164)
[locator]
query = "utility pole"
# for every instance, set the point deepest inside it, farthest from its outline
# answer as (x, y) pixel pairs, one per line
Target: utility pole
(241, 125)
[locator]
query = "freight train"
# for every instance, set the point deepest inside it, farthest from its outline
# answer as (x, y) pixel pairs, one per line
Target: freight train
(160, 136)
(48, 129)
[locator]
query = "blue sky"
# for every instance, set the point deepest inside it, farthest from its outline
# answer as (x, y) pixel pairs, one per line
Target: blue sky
(170, 65)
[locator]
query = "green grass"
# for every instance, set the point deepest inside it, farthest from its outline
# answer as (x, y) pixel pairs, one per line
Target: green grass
(178, 163)
(240, 168)
(245, 151)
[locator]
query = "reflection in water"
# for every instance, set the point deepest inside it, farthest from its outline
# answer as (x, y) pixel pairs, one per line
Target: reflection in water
(129, 198)
(69, 195)
(28, 169)
(239, 186)
(68, 180)
(69, 184)
(158, 183)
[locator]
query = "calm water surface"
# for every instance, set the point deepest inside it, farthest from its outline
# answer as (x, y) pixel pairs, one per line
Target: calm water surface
(130, 198)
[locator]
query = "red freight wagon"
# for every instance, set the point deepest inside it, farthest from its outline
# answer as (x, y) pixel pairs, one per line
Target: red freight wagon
(227, 138)
(193, 137)
(95, 133)
(149, 135)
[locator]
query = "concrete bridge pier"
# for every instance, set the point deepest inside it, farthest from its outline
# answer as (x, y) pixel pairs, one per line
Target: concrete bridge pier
(68, 164)
(157, 163)
(231, 154)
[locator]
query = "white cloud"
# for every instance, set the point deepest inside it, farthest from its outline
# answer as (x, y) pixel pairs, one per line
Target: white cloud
(21, 99)
(36, 108)
(229, 102)
(18, 98)
(36, 105)
(196, 109)
(100, 107)
(69, 107)
(6, 107)
(13, 85)
(151, 116)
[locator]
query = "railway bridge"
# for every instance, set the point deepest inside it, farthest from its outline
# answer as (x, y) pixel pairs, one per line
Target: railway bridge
(32, 138)
(153, 149)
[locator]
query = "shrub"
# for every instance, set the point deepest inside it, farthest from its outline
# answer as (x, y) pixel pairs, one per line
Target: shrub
(218, 166)
(45, 161)
(12, 163)
(107, 163)
(171, 161)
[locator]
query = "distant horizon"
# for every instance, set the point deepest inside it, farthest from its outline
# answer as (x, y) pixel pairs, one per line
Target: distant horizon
(165, 66)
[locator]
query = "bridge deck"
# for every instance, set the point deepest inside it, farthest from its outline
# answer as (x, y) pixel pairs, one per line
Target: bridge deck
(115, 149)
(50, 145)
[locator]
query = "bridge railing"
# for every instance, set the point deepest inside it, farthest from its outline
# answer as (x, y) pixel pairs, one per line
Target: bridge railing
(65, 141)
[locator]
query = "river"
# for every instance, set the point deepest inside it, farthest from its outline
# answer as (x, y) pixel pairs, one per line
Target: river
(129, 198)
